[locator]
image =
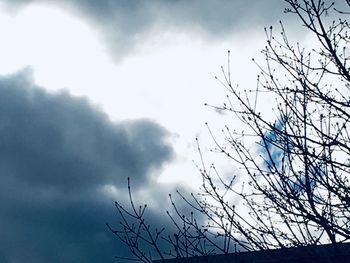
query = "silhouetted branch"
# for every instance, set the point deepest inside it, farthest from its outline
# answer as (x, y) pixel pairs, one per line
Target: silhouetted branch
(294, 181)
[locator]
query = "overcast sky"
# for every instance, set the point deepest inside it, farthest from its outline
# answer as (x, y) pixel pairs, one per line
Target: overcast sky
(93, 92)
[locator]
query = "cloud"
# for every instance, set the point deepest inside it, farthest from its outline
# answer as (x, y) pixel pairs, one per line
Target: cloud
(57, 155)
(126, 24)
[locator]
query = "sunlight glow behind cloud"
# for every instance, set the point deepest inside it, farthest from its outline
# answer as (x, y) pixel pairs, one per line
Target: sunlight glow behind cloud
(61, 49)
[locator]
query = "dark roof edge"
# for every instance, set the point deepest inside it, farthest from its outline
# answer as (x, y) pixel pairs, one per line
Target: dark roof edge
(306, 253)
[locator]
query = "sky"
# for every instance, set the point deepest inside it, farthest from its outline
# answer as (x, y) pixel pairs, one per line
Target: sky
(94, 92)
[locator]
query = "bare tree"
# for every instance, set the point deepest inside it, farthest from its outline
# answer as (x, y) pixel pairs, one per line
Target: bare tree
(295, 187)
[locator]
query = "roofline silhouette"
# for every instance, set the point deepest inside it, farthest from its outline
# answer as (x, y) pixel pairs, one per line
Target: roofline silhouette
(330, 253)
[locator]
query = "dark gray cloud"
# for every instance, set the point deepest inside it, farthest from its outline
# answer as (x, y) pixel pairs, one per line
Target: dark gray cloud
(125, 24)
(57, 153)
